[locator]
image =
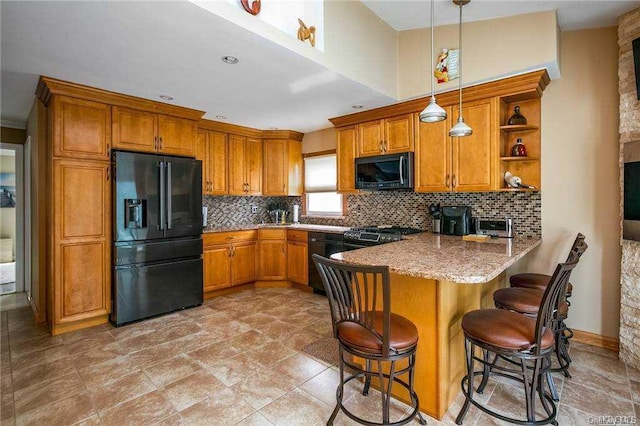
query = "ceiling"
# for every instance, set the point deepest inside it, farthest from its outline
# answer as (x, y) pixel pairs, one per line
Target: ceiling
(572, 14)
(144, 49)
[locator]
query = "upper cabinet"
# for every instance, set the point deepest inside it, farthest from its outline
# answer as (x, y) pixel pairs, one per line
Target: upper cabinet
(144, 131)
(386, 136)
(245, 165)
(283, 176)
(212, 150)
(81, 128)
(432, 161)
(346, 155)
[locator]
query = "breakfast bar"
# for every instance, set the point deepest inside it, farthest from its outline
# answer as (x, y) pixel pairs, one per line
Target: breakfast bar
(435, 280)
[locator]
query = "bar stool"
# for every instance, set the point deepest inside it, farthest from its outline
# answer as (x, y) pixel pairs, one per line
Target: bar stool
(377, 336)
(527, 342)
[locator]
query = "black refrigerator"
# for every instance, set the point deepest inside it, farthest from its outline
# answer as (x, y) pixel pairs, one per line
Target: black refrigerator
(157, 235)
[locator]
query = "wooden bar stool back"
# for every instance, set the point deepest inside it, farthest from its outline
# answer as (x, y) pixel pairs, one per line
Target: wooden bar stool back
(359, 299)
(524, 341)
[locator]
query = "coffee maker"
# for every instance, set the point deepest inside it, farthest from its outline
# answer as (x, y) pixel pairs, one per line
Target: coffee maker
(456, 220)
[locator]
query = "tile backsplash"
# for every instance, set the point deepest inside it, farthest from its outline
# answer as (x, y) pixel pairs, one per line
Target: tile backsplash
(391, 208)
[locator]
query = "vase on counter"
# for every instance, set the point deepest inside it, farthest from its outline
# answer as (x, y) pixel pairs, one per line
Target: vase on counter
(516, 118)
(519, 150)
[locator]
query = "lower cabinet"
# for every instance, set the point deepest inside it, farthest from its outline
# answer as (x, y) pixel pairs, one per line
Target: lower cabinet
(297, 267)
(229, 259)
(272, 255)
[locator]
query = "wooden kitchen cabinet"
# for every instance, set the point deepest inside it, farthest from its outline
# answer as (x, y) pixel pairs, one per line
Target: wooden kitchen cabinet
(387, 136)
(144, 131)
(475, 157)
(272, 254)
(212, 151)
(297, 262)
(283, 174)
(229, 259)
(245, 165)
(81, 207)
(81, 128)
(465, 164)
(346, 154)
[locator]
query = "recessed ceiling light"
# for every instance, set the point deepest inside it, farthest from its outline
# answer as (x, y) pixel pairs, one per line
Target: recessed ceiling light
(221, 117)
(166, 97)
(273, 128)
(357, 106)
(230, 60)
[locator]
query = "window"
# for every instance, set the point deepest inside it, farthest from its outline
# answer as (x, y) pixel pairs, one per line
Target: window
(320, 177)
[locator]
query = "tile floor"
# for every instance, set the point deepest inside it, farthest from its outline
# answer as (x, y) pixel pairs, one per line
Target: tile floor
(236, 360)
(9, 302)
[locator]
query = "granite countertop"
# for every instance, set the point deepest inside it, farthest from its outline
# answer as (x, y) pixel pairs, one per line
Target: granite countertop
(441, 257)
(298, 226)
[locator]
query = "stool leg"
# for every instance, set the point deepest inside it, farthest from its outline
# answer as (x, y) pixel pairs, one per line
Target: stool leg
(414, 397)
(339, 391)
(486, 370)
(529, 389)
(468, 393)
(541, 391)
(385, 398)
(367, 380)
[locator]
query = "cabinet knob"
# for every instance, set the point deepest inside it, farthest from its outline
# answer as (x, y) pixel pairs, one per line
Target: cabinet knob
(455, 181)
(160, 142)
(446, 182)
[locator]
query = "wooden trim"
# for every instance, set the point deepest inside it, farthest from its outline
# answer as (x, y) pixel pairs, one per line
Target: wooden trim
(229, 128)
(272, 284)
(524, 86)
(598, 340)
(48, 86)
(302, 287)
(228, 290)
(57, 329)
(320, 153)
(282, 134)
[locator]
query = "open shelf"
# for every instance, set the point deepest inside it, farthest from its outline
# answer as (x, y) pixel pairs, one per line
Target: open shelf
(519, 128)
(519, 159)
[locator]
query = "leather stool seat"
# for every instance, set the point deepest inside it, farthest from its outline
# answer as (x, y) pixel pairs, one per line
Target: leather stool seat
(504, 329)
(403, 334)
(524, 300)
(536, 281)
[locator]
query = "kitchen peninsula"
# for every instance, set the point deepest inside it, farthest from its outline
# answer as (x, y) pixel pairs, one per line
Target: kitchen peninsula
(435, 280)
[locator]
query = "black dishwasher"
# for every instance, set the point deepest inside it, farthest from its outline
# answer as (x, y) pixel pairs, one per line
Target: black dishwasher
(325, 244)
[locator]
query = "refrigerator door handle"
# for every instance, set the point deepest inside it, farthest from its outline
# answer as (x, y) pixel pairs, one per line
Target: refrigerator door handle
(169, 208)
(162, 195)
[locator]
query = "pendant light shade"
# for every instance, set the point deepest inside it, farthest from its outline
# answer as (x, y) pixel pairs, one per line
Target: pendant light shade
(460, 129)
(433, 112)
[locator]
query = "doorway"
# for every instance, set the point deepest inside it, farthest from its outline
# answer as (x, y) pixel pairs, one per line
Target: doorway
(11, 218)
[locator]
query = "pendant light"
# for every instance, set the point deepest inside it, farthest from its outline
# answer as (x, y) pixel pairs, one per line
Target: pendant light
(460, 129)
(433, 112)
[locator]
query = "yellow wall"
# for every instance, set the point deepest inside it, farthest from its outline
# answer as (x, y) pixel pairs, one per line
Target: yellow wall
(580, 176)
(321, 140)
(491, 49)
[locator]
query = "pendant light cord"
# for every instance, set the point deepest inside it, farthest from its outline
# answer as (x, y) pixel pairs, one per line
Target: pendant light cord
(431, 58)
(460, 62)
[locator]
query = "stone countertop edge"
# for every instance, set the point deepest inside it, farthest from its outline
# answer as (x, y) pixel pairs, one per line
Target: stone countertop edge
(445, 258)
(300, 227)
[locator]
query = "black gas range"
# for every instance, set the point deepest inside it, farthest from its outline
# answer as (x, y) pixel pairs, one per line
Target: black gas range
(373, 235)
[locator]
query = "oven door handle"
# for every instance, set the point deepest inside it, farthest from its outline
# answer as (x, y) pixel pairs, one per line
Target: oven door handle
(402, 170)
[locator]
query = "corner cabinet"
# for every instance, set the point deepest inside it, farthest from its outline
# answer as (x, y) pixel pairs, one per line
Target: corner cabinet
(144, 131)
(346, 154)
(283, 175)
(245, 165)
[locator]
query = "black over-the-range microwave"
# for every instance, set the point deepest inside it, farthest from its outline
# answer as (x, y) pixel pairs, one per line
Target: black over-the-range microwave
(391, 171)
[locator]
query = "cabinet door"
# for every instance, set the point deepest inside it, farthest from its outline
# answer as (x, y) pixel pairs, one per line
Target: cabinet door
(253, 166)
(398, 134)
(272, 260)
(433, 155)
(346, 155)
(297, 262)
(275, 174)
(217, 163)
(134, 130)
(217, 267)
(473, 156)
(237, 182)
(177, 136)
(81, 239)
(202, 148)
(243, 263)
(370, 138)
(81, 129)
